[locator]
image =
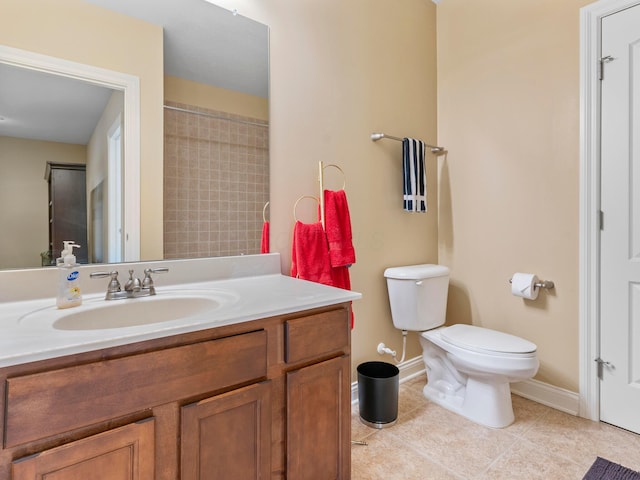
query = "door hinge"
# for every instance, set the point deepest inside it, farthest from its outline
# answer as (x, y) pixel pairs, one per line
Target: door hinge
(604, 60)
(601, 220)
(601, 364)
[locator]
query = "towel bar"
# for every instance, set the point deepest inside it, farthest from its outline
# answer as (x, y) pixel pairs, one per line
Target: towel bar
(434, 149)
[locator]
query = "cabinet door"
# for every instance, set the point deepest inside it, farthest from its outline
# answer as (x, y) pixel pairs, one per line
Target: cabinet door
(125, 453)
(318, 421)
(228, 436)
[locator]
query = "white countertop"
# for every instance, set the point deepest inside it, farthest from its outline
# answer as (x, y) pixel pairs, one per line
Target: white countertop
(27, 332)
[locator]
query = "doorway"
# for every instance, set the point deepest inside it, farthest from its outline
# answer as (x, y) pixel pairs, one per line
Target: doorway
(610, 273)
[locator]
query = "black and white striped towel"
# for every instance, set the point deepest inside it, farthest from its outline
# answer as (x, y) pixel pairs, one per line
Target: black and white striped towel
(414, 175)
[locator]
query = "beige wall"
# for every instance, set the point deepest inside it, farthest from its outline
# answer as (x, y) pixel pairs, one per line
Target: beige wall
(180, 90)
(340, 71)
(78, 31)
(24, 197)
(98, 147)
(98, 172)
(508, 112)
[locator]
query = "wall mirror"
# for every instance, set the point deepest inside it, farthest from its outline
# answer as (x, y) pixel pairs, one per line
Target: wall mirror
(216, 140)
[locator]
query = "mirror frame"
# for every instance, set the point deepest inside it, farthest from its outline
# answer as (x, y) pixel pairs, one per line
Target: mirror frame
(130, 86)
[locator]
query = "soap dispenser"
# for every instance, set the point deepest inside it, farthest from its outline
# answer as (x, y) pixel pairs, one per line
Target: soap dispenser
(69, 294)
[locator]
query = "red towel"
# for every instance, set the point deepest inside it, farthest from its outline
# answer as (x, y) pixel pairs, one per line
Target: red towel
(310, 254)
(264, 245)
(338, 227)
(341, 279)
(310, 258)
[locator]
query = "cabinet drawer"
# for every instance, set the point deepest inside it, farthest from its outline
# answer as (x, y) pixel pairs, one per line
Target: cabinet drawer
(311, 337)
(49, 403)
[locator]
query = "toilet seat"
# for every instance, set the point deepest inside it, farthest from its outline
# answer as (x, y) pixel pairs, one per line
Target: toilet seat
(483, 360)
(484, 340)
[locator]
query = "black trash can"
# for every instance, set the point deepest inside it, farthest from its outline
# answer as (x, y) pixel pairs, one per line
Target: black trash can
(378, 385)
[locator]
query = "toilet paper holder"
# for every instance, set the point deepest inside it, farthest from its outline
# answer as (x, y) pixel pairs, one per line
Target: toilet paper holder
(548, 284)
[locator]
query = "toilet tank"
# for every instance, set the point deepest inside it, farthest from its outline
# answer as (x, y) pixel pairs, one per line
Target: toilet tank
(418, 296)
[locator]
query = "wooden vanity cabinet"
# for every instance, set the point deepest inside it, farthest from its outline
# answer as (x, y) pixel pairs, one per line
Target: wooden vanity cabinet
(318, 397)
(262, 399)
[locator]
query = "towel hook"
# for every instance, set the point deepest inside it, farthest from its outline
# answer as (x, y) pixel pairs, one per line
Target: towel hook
(295, 205)
(264, 212)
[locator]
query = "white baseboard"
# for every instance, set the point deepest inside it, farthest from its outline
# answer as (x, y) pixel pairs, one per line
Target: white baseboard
(544, 393)
(549, 395)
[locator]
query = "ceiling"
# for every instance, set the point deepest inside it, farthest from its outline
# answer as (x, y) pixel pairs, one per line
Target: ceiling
(202, 42)
(48, 107)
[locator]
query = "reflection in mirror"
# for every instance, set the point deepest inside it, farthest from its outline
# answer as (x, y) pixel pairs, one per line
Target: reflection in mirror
(216, 167)
(61, 160)
(216, 153)
(216, 182)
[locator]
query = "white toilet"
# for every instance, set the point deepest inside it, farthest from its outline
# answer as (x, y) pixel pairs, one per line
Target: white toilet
(469, 368)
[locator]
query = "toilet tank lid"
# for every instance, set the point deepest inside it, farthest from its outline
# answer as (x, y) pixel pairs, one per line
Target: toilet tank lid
(416, 272)
(486, 340)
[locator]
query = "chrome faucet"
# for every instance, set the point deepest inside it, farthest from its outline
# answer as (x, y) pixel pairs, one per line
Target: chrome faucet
(133, 288)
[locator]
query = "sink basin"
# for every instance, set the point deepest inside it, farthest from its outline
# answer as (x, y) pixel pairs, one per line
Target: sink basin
(99, 314)
(141, 311)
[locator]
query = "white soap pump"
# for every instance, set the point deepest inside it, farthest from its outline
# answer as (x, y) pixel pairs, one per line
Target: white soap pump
(69, 294)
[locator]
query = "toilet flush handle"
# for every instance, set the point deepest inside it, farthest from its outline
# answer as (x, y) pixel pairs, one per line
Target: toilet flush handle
(419, 282)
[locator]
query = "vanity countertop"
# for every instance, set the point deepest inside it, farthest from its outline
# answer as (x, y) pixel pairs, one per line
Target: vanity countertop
(27, 332)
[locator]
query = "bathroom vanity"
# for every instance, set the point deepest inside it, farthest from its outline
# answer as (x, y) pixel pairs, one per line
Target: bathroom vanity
(252, 392)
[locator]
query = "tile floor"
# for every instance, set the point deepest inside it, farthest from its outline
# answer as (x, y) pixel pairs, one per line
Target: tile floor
(429, 442)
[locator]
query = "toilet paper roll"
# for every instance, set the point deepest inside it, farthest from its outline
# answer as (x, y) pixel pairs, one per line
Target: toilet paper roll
(523, 285)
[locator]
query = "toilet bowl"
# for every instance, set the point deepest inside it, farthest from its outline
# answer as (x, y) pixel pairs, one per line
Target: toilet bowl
(469, 368)
(473, 380)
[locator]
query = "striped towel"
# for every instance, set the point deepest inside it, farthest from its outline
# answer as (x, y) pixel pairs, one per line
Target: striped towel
(414, 175)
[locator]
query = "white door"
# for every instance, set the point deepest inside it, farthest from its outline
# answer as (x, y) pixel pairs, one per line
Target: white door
(620, 238)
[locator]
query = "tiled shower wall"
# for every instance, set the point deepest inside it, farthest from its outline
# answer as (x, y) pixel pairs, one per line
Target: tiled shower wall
(216, 182)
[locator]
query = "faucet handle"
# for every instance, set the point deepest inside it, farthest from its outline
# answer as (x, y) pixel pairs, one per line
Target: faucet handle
(157, 270)
(114, 284)
(148, 281)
